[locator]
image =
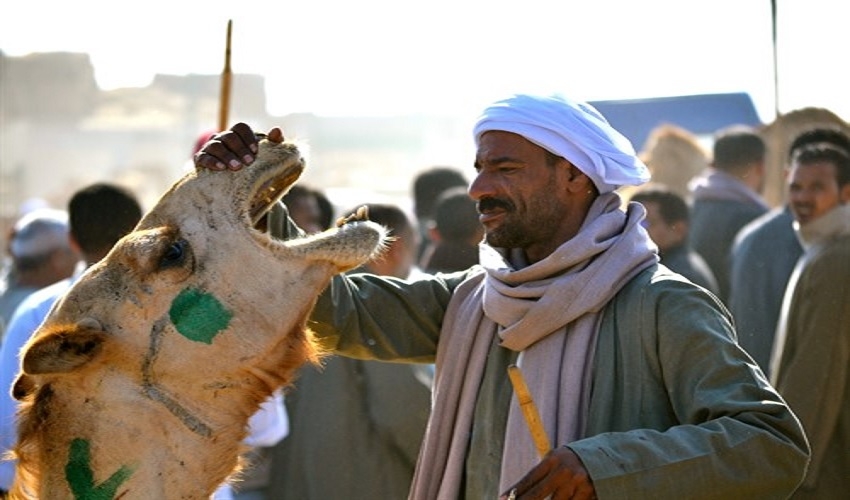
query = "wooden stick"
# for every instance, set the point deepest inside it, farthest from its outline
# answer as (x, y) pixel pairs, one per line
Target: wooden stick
(224, 97)
(529, 411)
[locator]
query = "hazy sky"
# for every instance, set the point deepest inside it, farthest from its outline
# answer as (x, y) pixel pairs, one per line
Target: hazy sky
(378, 57)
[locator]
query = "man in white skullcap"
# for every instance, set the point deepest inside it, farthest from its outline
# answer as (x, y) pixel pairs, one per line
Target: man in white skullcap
(640, 386)
(41, 254)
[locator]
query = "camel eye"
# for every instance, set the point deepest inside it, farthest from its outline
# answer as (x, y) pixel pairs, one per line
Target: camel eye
(174, 254)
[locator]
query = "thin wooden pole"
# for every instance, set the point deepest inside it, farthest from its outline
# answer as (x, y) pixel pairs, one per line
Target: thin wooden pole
(529, 411)
(774, 29)
(224, 97)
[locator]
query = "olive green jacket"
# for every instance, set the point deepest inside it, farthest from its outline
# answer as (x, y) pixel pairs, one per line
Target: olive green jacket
(677, 409)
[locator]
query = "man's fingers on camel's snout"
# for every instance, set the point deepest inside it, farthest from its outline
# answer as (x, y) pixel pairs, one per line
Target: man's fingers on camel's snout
(246, 135)
(208, 162)
(221, 155)
(238, 152)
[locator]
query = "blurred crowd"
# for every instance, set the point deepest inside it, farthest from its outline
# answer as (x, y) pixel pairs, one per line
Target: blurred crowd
(781, 268)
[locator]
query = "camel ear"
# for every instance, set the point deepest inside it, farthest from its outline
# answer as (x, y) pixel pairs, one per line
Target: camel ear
(23, 385)
(62, 349)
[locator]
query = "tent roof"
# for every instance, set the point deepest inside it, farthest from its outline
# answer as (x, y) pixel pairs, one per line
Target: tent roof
(699, 114)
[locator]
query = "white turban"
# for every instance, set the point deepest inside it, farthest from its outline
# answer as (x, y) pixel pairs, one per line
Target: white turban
(573, 130)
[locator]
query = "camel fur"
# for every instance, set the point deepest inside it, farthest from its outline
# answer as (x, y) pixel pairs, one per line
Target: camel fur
(674, 157)
(140, 382)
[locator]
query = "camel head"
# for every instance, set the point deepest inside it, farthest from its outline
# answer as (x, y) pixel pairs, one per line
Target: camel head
(140, 382)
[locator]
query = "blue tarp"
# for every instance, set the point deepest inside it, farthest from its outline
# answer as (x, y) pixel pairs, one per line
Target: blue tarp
(700, 114)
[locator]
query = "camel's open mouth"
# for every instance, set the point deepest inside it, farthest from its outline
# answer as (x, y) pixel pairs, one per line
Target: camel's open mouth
(276, 169)
(269, 193)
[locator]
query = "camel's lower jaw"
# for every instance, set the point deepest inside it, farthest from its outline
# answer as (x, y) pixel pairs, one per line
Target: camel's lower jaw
(346, 247)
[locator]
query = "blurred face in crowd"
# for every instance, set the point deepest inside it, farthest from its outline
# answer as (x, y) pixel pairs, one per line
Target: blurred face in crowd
(665, 234)
(813, 190)
(305, 211)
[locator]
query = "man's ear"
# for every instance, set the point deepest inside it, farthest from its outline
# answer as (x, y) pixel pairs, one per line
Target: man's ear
(577, 181)
(72, 242)
(434, 234)
(62, 349)
(681, 229)
(844, 193)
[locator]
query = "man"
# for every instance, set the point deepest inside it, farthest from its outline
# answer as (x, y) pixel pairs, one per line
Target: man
(641, 387)
(41, 255)
(454, 234)
(810, 364)
(763, 257)
(378, 410)
(667, 222)
(303, 204)
(727, 198)
(427, 187)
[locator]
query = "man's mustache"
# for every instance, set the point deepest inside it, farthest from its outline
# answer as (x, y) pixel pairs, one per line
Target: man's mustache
(487, 204)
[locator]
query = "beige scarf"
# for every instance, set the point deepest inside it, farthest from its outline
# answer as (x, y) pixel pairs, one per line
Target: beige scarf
(549, 312)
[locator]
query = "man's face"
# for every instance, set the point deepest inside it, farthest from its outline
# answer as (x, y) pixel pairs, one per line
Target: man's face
(813, 190)
(665, 234)
(305, 211)
(521, 198)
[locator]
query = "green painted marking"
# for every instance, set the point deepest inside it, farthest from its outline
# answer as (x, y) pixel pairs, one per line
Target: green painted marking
(198, 315)
(80, 476)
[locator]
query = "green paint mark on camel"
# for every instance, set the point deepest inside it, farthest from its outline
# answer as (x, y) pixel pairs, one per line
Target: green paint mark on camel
(80, 477)
(198, 315)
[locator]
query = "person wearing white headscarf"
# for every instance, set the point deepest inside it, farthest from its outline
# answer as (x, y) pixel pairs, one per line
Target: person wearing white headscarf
(573, 130)
(641, 388)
